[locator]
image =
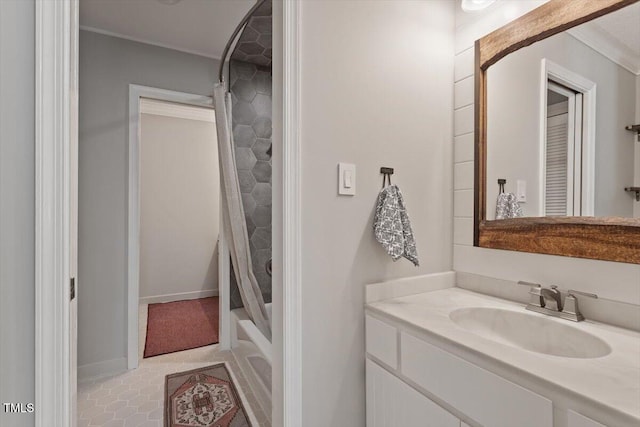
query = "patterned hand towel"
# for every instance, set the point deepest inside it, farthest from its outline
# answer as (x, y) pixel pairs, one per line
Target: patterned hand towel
(392, 227)
(507, 206)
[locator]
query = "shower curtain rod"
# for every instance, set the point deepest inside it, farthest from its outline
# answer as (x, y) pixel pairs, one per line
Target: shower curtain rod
(235, 34)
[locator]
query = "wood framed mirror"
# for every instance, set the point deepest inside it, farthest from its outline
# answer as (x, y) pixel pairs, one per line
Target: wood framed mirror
(578, 223)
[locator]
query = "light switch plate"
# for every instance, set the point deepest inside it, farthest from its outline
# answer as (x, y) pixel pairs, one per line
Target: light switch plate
(346, 179)
(521, 191)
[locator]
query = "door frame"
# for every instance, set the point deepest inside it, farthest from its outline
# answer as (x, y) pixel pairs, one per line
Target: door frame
(55, 125)
(133, 221)
(549, 70)
(574, 151)
(288, 241)
(56, 35)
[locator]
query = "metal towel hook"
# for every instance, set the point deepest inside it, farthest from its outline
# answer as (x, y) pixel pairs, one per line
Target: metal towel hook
(501, 183)
(387, 172)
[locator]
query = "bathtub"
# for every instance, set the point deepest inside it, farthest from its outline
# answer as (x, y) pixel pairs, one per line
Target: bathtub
(253, 351)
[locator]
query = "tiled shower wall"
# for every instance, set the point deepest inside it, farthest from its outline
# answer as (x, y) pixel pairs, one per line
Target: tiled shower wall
(251, 114)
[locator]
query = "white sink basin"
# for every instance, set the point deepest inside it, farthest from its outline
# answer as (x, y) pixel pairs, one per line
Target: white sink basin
(530, 332)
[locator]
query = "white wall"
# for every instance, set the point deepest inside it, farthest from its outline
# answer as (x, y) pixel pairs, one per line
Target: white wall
(377, 90)
(107, 66)
(513, 132)
(17, 207)
(179, 204)
(616, 281)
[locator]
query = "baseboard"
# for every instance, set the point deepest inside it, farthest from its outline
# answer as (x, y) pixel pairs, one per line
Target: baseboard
(179, 297)
(101, 369)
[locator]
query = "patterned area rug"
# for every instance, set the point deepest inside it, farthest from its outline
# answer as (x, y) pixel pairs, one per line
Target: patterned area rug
(204, 397)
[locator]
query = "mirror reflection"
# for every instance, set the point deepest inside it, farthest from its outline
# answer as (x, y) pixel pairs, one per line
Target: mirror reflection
(557, 113)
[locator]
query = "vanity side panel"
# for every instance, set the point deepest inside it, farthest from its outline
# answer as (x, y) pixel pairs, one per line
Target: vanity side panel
(382, 341)
(482, 396)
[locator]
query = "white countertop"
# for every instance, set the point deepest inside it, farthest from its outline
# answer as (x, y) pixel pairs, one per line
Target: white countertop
(612, 381)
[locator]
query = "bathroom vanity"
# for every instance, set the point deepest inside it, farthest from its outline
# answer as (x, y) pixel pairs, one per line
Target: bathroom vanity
(441, 356)
(453, 357)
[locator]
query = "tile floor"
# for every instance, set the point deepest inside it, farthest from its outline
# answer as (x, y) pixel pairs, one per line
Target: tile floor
(136, 398)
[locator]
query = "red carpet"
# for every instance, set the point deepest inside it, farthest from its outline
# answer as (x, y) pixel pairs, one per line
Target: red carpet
(181, 325)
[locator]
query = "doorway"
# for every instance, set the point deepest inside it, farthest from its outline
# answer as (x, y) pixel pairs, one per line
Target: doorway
(179, 227)
(56, 124)
(176, 251)
(563, 152)
(567, 142)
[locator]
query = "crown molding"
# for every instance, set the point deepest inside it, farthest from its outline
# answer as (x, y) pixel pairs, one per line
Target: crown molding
(607, 47)
(146, 41)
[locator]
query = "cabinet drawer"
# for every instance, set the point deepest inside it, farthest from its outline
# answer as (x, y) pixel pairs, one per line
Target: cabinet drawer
(476, 392)
(382, 341)
(392, 403)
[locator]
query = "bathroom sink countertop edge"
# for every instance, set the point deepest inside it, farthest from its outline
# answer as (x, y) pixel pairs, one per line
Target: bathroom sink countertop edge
(611, 381)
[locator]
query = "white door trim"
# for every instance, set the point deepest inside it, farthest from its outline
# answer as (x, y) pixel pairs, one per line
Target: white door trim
(56, 34)
(578, 83)
(133, 220)
(292, 219)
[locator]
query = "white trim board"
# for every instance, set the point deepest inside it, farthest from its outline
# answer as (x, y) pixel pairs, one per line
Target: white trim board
(180, 111)
(291, 218)
(550, 70)
(178, 297)
(105, 368)
(56, 35)
(145, 41)
(136, 93)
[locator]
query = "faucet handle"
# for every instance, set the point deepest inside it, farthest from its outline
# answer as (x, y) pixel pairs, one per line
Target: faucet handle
(571, 305)
(535, 293)
(521, 282)
(584, 294)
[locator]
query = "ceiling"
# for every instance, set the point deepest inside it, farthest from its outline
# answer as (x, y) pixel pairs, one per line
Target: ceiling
(623, 26)
(615, 35)
(202, 27)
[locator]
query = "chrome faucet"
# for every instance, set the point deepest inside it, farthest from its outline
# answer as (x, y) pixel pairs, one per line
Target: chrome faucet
(552, 298)
(549, 301)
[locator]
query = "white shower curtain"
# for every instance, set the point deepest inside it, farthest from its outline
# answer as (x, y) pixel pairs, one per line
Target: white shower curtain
(235, 227)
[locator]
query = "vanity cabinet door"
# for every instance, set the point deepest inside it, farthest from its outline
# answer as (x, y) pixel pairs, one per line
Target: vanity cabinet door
(393, 403)
(577, 420)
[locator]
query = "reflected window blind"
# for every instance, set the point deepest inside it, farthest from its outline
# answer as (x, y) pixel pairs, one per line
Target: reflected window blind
(556, 166)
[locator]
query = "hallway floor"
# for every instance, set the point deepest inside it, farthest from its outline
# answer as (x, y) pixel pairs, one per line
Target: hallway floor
(136, 398)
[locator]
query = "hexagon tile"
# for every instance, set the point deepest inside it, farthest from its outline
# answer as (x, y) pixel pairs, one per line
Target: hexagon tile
(251, 114)
(136, 398)
(250, 83)
(254, 45)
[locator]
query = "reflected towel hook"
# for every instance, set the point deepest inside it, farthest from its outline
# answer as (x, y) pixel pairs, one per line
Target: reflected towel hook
(387, 172)
(501, 183)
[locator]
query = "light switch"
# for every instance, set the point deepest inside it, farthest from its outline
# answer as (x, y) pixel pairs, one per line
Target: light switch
(346, 179)
(521, 191)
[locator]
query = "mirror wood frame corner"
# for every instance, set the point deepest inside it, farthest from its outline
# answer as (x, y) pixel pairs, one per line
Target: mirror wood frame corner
(604, 238)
